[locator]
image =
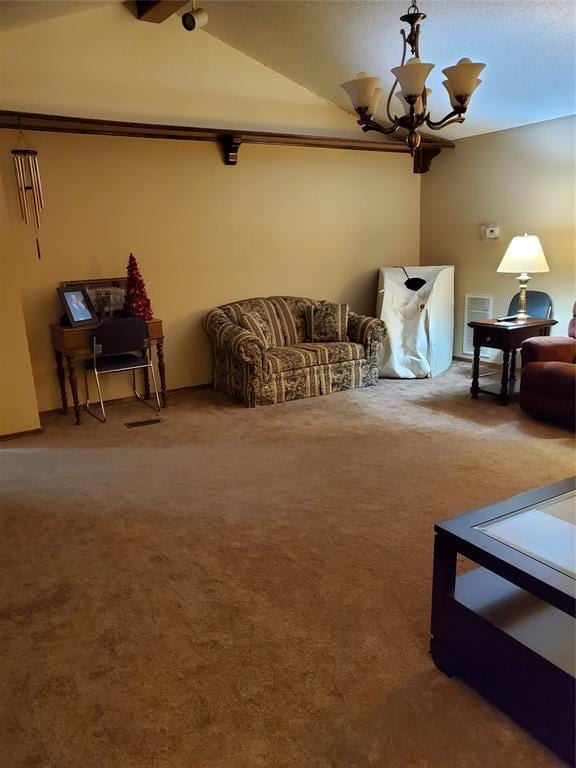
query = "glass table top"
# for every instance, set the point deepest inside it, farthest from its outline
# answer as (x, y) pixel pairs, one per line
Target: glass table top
(546, 532)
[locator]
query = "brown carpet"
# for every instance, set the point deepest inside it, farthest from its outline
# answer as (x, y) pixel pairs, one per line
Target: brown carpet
(251, 588)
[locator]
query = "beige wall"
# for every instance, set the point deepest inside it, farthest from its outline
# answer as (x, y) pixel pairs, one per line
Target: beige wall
(105, 63)
(18, 405)
(286, 220)
(522, 179)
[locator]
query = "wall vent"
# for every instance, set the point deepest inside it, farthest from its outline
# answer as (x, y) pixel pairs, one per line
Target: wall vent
(477, 306)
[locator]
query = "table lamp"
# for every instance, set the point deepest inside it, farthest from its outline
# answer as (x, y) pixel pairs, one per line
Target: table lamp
(523, 255)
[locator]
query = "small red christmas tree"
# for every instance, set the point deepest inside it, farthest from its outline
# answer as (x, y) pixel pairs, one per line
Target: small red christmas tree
(136, 301)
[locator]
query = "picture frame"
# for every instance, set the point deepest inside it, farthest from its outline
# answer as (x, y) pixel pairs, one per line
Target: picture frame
(78, 305)
(106, 294)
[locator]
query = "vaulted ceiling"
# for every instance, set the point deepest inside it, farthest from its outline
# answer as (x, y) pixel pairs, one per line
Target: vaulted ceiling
(529, 48)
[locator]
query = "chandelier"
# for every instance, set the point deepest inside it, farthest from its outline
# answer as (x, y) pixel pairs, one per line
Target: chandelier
(365, 93)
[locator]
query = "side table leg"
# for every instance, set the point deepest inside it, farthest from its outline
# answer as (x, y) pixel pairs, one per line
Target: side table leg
(475, 388)
(73, 387)
(513, 366)
(61, 380)
(162, 370)
(504, 384)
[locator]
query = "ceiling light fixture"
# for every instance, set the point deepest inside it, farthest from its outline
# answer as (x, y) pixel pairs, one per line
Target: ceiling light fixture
(365, 92)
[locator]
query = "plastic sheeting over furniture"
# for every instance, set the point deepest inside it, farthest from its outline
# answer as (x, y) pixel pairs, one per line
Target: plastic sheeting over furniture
(420, 323)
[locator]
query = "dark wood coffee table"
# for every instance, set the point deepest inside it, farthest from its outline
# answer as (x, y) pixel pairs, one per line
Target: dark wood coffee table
(507, 626)
(508, 337)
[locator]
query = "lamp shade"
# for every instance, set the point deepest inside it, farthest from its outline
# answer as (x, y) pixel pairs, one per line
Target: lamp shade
(454, 103)
(418, 107)
(463, 77)
(377, 95)
(361, 90)
(412, 76)
(524, 254)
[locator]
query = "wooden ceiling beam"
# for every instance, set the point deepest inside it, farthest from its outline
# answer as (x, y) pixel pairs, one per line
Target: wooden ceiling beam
(230, 140)
(158, 11)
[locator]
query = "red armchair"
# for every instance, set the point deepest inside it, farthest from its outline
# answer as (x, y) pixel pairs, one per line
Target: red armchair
(548, 381)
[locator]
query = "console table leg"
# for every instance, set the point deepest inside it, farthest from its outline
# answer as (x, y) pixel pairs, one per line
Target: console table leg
(73, 387)
(504, 384)
(61, 380)
(162, 370)
(475, 388)
(146, 384)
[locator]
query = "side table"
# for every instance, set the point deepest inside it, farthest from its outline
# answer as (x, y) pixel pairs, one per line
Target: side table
(74, 343)
(508, 337)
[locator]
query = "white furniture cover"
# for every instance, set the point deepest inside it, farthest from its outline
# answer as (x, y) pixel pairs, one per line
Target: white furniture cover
(420, 323)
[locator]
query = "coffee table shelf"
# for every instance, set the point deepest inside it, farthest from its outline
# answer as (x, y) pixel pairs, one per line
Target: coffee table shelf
(507, 626)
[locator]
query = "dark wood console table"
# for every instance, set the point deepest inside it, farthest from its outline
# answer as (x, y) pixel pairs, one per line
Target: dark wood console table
(76, 343)
(508, 337)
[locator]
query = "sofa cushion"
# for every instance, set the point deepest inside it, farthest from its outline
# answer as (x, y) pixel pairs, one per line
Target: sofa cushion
(265, 309)
(278, 359)
(255, 323)
(292, 313)
(327, 322)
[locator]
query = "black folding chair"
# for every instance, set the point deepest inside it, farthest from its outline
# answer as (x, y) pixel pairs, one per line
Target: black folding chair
(538, 304)
(120, 345)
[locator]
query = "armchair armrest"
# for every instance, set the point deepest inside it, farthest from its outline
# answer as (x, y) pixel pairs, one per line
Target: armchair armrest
(229, 337)
(367, 331)
(547, 349)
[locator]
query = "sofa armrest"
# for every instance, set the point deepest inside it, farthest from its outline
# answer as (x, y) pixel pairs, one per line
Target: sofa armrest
(367, 331)
(549, 349)
(229, 337)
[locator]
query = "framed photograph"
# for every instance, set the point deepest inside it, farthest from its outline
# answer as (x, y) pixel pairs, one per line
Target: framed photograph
(106, 294)
(77, 304)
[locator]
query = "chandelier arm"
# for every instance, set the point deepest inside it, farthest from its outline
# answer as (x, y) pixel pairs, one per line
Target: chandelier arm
(443, 123)
(389, 114)
(452, 117)
(372, 125)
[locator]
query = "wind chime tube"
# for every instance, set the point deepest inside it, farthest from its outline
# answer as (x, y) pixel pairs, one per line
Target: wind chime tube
(19, 185)
(34, 188)
(38, 180)
(21, 179)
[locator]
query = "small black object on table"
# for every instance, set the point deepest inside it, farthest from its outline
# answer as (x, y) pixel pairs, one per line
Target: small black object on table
(507, 627)
(508, 337)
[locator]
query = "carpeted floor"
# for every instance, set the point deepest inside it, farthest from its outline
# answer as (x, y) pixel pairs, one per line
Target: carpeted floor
(242, 588)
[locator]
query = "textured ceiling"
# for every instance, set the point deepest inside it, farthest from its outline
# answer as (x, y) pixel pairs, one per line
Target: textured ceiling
(529, 48)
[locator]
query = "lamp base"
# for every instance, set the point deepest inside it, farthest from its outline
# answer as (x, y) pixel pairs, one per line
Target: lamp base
(523, 279)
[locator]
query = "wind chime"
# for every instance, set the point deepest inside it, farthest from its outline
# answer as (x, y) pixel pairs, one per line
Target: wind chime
(29, 187)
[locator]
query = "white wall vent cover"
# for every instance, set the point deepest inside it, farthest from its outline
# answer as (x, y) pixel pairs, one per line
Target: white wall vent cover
(477, 306)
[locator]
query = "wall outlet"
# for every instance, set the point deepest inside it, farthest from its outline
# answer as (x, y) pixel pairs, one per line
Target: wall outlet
(490, 231)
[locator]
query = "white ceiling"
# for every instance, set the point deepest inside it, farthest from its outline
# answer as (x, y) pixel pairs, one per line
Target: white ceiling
(529, 48)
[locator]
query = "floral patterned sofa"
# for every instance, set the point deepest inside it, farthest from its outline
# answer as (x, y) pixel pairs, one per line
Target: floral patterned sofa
(289, 368)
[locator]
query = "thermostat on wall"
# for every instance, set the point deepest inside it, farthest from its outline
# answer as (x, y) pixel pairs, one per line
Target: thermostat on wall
(490, 231)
